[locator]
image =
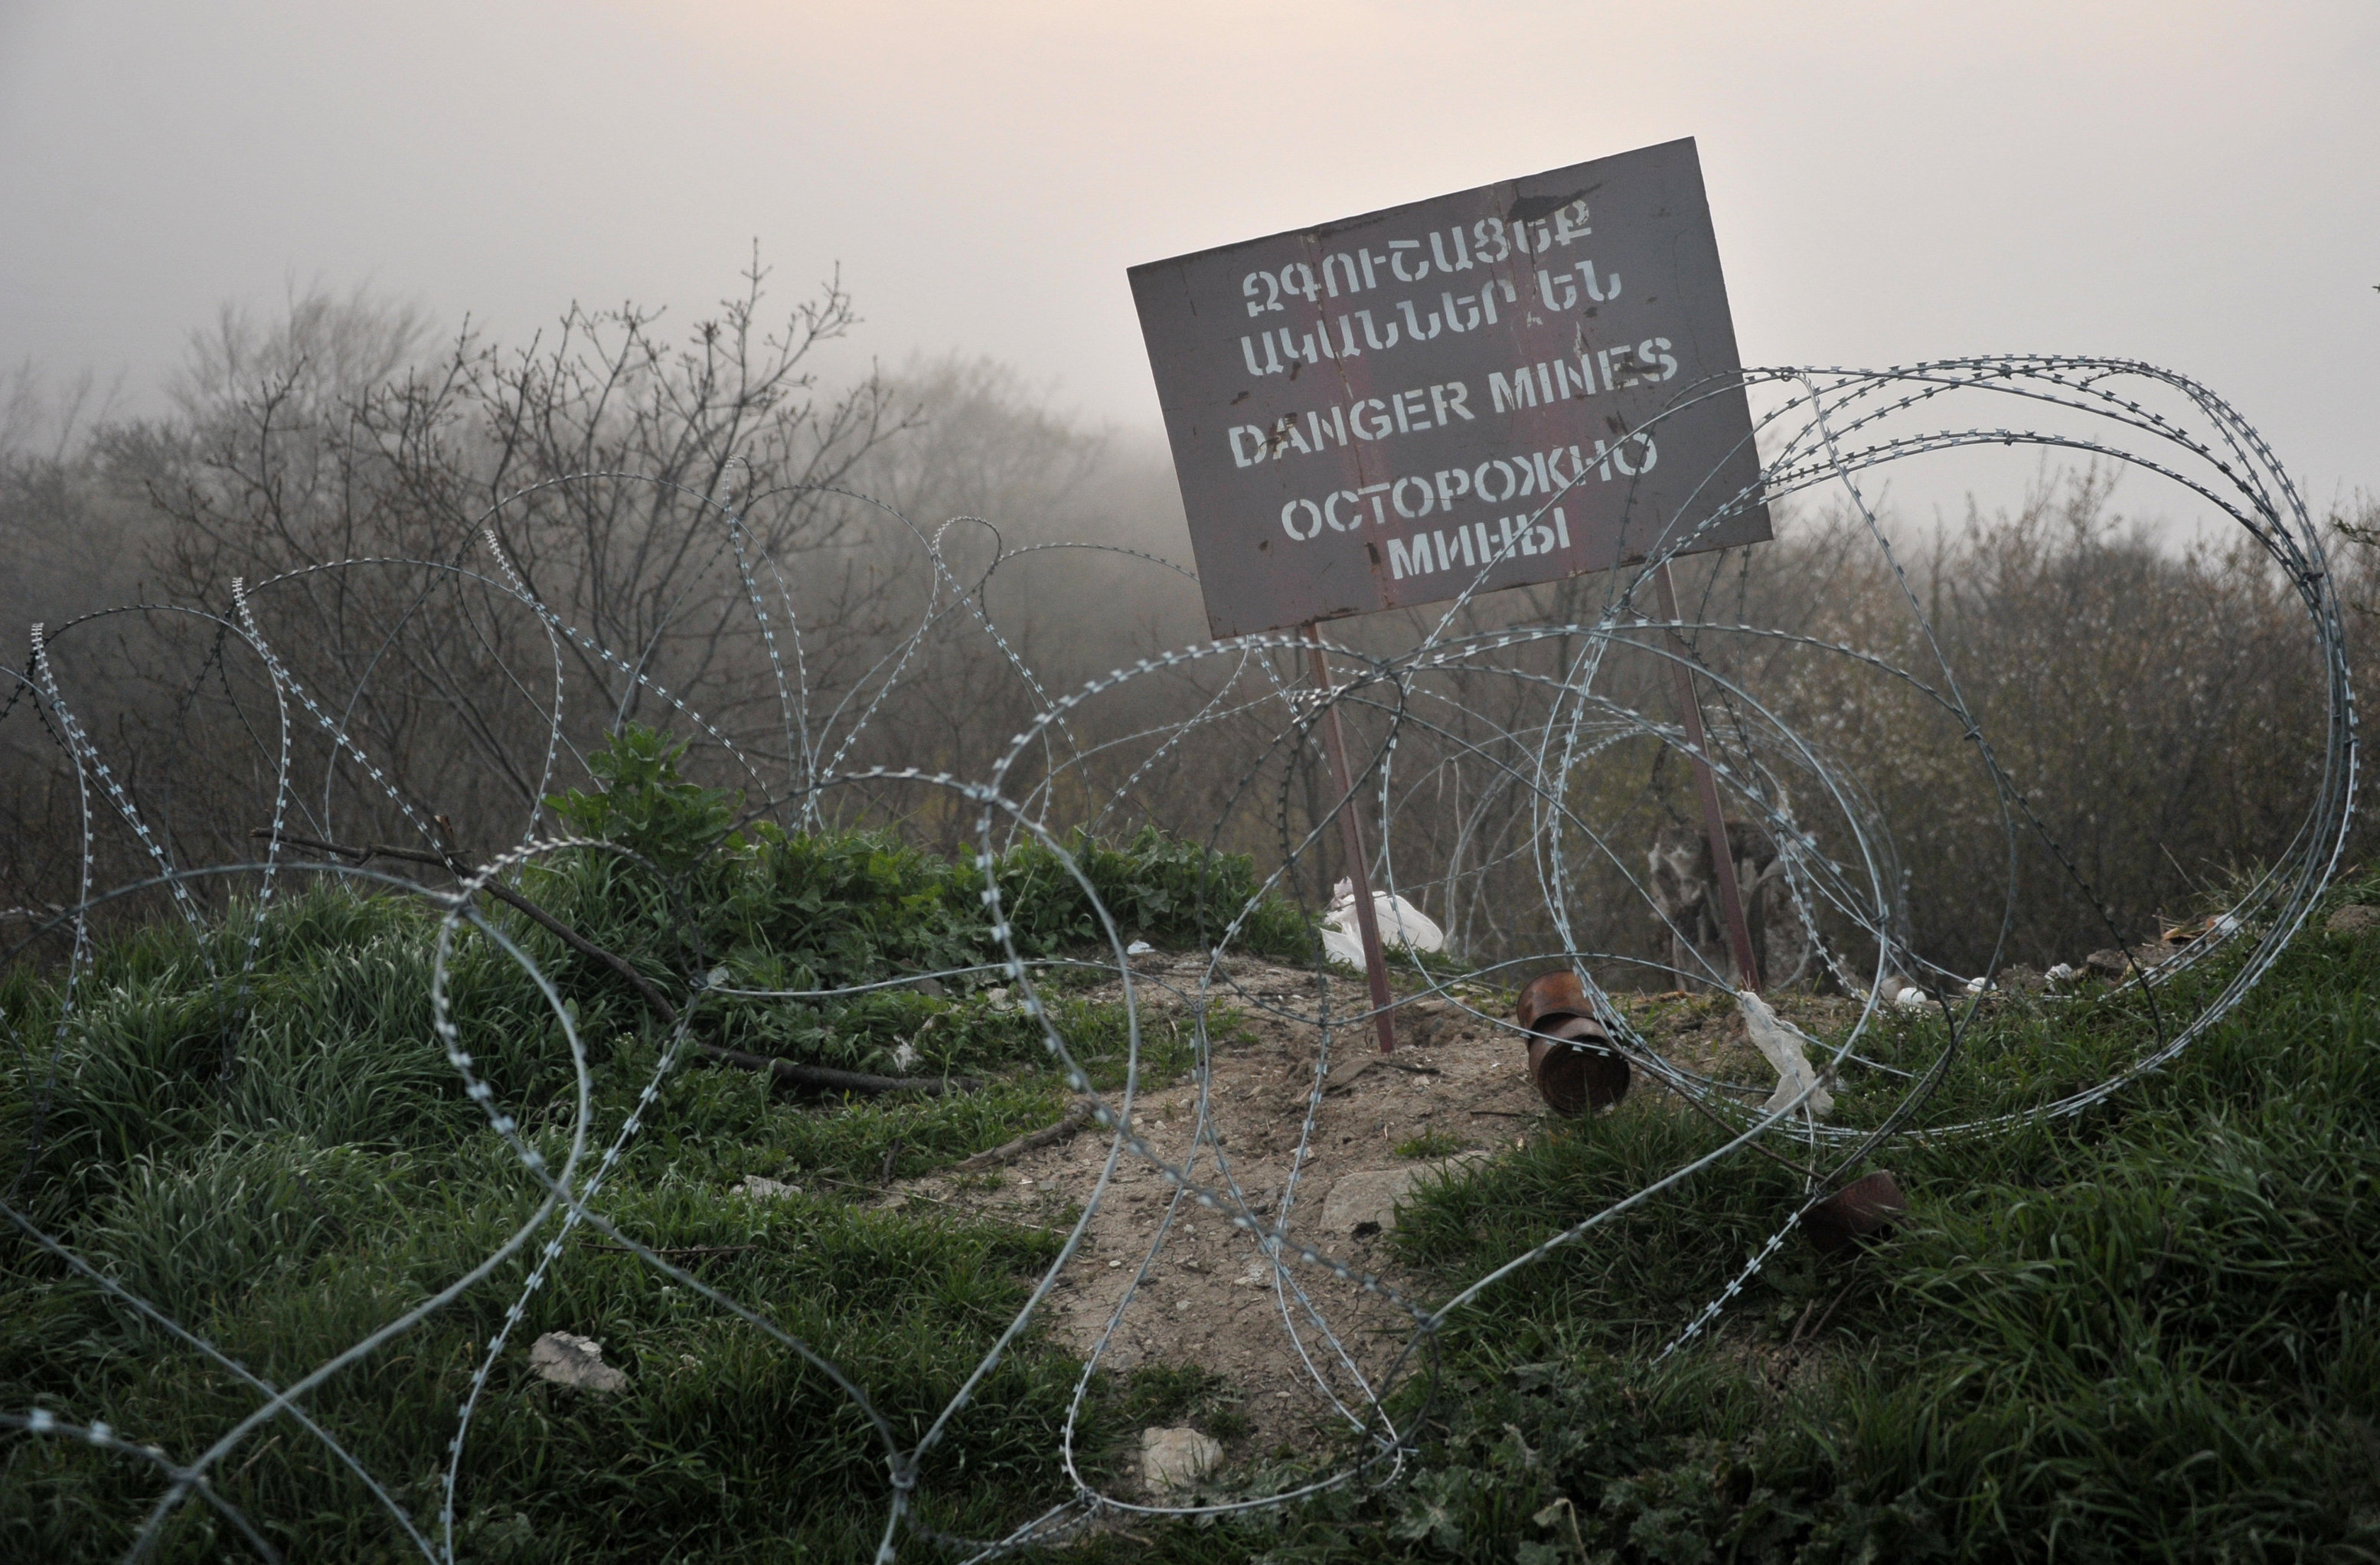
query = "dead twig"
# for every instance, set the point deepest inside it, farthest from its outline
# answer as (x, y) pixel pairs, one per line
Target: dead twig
(824, 1077)
(1075, 1118)
(828, 1078)
(655, 1002)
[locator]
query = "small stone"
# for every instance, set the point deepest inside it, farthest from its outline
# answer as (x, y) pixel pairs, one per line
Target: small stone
(1365, 1202)
(561, 1359)
(1171, 1459)
(759, 1187)
(2107, 964)
(2355, 919)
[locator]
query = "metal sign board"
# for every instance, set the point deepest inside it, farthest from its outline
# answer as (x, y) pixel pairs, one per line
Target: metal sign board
(1530, 379)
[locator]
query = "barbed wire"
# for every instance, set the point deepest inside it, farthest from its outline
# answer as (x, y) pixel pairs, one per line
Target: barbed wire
(1532, 773)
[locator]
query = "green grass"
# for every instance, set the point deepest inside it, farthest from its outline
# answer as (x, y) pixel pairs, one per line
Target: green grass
(2149, 1331)
(286, 1162)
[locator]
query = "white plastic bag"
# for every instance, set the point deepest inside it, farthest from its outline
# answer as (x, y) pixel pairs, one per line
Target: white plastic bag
(1401, 925)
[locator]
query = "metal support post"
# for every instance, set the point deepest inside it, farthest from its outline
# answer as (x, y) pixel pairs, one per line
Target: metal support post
(1690, 714)
(1351, 836)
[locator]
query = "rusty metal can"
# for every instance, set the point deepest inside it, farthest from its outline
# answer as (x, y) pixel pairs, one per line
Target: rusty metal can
(1868, 1207)
(1572, 1062)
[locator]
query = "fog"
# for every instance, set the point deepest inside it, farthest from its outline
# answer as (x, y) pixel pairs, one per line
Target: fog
(2189, 184)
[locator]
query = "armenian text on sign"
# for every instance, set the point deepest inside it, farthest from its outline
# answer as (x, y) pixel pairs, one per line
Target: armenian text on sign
(1530, 379)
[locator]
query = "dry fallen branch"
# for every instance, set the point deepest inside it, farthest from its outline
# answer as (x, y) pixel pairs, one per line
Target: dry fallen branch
(1076, 1118)
(831, 1080)
(824, 1077)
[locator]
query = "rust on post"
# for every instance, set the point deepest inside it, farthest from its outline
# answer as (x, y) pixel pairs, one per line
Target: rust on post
(1351, 836)
(1722, 852)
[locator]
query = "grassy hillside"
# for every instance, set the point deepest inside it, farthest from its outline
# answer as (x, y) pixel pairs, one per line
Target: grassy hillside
(2147, 1332)
(2151, 1331)
(279, 1160)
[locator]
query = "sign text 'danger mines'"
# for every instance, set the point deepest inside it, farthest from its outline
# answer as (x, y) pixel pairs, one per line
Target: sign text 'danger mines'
(1530, 379)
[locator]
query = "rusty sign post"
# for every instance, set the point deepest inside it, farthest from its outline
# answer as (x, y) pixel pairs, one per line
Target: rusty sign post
(1351, 839)
(1512, 385)
(1722, 850)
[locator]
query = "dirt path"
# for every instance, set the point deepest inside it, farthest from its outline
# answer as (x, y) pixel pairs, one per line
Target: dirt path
(1205, 1295)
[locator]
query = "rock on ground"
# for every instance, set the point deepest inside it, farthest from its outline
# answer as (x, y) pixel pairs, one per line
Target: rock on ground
(1171, 1459)
(1367, 1200)
(567, 1360)
(2354, 919)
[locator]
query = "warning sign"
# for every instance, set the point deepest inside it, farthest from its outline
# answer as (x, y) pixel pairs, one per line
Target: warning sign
(1519, 382)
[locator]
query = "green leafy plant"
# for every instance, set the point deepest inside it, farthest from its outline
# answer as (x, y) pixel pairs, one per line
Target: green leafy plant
(645, 805)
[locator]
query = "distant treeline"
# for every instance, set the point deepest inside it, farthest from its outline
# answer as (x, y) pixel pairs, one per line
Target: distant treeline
(476, 561)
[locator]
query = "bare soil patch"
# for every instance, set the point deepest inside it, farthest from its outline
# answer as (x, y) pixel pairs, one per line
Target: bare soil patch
(1204, 1295)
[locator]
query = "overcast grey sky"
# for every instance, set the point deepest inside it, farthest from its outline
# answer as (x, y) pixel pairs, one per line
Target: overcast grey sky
(2193, 184)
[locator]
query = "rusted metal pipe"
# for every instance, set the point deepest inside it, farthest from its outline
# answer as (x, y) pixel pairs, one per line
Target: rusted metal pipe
(1722, 852)
(1572, 1062)
(1351, 836)
(1868, 1207)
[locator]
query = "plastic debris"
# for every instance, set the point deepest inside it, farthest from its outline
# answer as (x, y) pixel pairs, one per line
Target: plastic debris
(1401, 925)
(1780, 1042)
(561, 1358)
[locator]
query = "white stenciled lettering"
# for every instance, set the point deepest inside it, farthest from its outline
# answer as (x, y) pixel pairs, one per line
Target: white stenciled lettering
(1487, 232)
(1461, 261)
(1371, 337)
(1271, 365)
(1335, 267)
(1298, 278)
(1397, 251)
(1413, 559)
(1416, 410)
(1503, 470)
(1289, 518)
(1272, 292)
(1412, 324)
(1619, 453)
(1421, 487)
(1451, 483)
(1330, 510)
